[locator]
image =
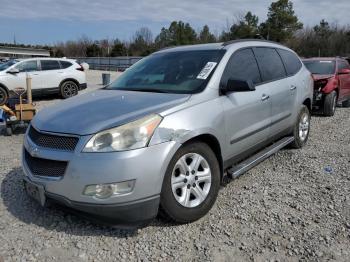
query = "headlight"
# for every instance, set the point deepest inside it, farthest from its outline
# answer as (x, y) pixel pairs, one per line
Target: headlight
(129, 136)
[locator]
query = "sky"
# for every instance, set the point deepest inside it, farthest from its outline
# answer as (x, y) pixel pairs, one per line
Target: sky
(49, 22)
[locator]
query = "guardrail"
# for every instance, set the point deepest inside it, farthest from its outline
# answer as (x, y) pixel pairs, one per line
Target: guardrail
(109, 63)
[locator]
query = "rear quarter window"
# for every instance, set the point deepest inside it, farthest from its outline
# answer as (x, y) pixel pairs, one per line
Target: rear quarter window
(50, 65)
(65, 64)
(291, 61)
(270, 64)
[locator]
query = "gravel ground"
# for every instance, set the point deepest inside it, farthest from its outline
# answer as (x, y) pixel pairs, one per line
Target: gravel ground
(293, 206)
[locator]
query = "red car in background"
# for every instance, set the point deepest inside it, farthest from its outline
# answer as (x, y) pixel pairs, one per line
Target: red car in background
(331, 82)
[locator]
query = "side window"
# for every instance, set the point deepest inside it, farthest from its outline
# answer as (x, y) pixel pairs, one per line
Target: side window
(65, 64)
(291, 61)
(242, 66)
(50, 65)
(343, 65)
(28, 66)
(270, 64)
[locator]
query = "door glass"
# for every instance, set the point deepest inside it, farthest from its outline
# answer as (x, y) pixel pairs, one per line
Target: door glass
(27, 66)
(291, 61)
(270, 64)
(50, 65)
(242, 66)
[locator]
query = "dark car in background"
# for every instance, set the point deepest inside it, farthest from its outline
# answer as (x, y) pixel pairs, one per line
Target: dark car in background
(331, 83)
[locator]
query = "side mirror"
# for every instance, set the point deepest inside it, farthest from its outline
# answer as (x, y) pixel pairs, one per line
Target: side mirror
(344, 71)
(236, 85)
(13, 71)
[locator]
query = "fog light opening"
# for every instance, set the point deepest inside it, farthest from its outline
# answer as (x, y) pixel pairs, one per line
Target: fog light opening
(103, 191)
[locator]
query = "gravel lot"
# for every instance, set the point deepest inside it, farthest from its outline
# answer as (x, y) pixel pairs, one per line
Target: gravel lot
(294, 206)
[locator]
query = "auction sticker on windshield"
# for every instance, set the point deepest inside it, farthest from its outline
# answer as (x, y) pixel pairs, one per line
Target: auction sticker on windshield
(207, 69)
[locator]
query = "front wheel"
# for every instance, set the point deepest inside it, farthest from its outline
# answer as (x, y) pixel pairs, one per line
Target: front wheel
(191, 183)
(301, 128)
(330, 103)
(68, 89)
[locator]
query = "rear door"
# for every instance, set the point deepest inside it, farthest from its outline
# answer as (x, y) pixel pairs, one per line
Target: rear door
(247, 114)
(344, 81)
(282, 91)
(51, 74)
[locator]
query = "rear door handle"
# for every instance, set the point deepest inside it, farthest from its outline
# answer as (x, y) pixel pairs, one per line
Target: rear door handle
(264, 97)
(292, 88)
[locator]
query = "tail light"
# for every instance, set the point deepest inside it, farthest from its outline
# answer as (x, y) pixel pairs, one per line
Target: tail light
(81, 68)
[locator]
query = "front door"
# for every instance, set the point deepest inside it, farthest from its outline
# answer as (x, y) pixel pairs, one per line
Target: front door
(25, 68)
(247, 114)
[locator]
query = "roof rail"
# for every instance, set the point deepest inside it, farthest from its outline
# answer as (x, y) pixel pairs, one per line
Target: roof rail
(248, 40)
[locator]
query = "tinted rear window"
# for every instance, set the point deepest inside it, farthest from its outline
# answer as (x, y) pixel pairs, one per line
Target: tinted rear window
(320, 67)
(242, 66)
(291, 61)
(50, 65)
(65, 64)
(270, 64)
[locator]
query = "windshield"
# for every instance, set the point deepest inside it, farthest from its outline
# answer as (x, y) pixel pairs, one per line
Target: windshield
(320, 67)
(170, 72)
(7, 65)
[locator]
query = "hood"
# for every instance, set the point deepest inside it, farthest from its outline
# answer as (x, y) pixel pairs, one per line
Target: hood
(103, 109)
(319, 77)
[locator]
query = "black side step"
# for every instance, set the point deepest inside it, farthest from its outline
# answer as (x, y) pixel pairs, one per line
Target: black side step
(252, 161)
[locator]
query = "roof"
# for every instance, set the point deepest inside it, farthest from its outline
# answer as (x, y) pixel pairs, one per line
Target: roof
(218, 46)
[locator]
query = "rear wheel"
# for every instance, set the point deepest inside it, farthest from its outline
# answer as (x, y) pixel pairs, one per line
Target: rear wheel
(330, 103)
(3, 96)
(191, 183)
(69, 89)
(301, 128)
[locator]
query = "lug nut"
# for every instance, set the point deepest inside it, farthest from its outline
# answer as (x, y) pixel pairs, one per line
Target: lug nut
(187, 173)
(193, 172)
(185, 181)
(196, 177)
(188, 186)
(194, 185)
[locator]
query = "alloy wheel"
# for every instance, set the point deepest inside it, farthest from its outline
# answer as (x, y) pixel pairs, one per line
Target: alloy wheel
(191, 180)
(304, 125)
(69, 89)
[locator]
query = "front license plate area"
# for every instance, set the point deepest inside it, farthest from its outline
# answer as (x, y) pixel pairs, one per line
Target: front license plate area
(36, 192)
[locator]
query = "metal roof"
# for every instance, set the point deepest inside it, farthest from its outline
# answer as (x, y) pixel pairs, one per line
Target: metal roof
(23, 51)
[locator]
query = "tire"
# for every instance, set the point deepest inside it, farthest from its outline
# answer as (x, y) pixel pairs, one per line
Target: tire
(346, 103)
(330, 103)
(68, 89)
(301, 129)
(201, 185)
(3, 96)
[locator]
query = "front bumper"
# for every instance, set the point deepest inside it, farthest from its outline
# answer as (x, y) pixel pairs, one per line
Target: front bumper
(146, 165)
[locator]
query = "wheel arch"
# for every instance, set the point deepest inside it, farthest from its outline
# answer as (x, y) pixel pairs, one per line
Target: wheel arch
(213, 143)
(307, 102)
(69, 79)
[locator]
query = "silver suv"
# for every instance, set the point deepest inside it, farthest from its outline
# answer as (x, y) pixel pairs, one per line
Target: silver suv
(164, 135)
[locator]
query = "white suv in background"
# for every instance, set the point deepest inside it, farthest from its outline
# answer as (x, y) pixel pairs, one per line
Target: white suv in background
(49, 75)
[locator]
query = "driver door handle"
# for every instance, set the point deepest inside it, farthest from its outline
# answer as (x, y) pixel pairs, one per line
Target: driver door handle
(293, 87)
(264, 97)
